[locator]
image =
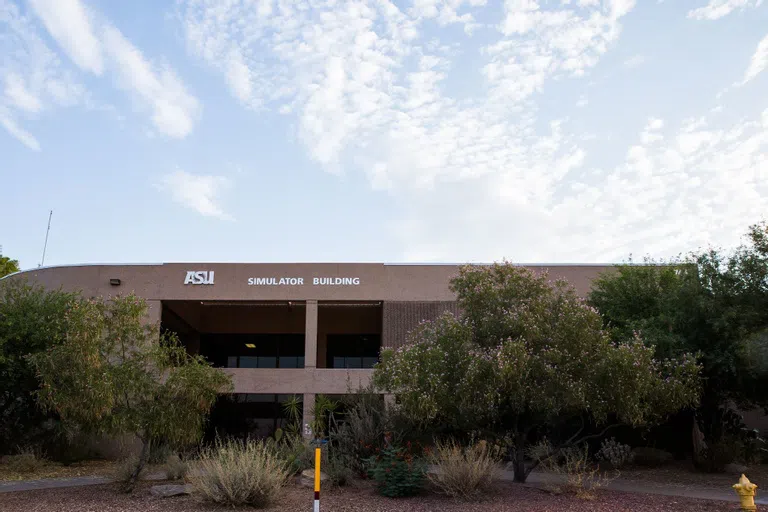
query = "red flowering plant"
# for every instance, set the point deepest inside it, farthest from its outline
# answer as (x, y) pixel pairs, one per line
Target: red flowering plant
(399, 469)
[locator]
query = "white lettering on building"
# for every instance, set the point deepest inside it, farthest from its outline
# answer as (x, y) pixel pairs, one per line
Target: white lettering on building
(299, 281)
(199, 277)
(275, 281)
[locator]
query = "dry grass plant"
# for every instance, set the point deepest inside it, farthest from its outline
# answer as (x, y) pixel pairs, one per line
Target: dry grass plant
(463, 472)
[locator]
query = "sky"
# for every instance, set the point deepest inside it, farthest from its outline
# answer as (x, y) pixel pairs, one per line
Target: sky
(536, 131)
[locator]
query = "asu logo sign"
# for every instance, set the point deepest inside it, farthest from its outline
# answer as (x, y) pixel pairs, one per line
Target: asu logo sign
(199, 277)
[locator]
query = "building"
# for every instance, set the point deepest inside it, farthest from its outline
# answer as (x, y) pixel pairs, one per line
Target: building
(283, 330)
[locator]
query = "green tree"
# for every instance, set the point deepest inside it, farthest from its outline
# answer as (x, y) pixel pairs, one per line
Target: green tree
(7, 265)
(116, 374)
(32, 319)
(528, 353)
(713, 303)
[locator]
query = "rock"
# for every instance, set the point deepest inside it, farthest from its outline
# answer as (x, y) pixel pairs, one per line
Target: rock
(307, 478)
(736, 469)
(166, 491)
(650, 457)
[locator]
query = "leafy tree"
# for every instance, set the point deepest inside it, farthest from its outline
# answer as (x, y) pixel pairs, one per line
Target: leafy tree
(711, 303)
(7, 265)
(116, 374)
(524, 354)
(32, 319)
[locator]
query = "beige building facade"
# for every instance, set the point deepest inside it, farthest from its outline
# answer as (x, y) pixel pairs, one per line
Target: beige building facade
(284, 330)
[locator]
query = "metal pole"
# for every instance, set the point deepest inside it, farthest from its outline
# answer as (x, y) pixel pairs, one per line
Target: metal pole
(42, 262)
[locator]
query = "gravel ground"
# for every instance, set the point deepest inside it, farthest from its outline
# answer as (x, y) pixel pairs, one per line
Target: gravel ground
(506, 498)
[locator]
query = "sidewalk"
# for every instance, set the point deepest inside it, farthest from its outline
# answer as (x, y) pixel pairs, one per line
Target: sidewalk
(540, 480)
(53, 483)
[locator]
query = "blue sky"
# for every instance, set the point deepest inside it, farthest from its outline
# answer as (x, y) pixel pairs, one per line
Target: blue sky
(376, 130)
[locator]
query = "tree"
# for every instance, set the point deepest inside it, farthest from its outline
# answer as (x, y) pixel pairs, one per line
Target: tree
(7, 265)
(116, 374)
(524, 354)
(32, 319)
(710, 302)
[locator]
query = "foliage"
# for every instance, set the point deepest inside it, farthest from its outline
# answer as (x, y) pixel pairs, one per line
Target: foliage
(650, 457)
(8, 266)
(526, 353)
(115, 374)
(398, 471)
(362, 432)
(339, 467)
(614, 453)
(26, 461)
(323, 411)
(581, 478)
(717, 455)
(295, 451)
(32, 319)
(709, 302)
(175, 467)
(463, 472)
(236, 472)
(126, 473)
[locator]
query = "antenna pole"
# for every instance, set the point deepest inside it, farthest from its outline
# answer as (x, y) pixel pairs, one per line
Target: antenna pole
(46, 237)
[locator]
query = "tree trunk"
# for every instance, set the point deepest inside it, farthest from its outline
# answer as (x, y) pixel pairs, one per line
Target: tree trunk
(519, 459)
(143, 457)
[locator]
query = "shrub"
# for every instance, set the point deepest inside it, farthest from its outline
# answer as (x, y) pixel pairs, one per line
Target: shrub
(614, 453)
(26, 461)
(581, 478)
(175, 468)
(338, 467)
(123, 472)
(294, 451)
(717, 455)
(651, 457)
(237, 473)
(397, 472)
(463, 472)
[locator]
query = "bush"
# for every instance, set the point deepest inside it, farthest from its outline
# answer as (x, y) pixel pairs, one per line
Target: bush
(294, 451)
(581, 478)
(651, 457)
(616, 454)
(175, 468)
(124, 470)
(716, 456)
(397, 471)
(237, 473)
(338, 467)
(26, 461)
(463, 472)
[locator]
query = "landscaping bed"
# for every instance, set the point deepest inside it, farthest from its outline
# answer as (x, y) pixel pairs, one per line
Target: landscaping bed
(506, 497)
(47, 469)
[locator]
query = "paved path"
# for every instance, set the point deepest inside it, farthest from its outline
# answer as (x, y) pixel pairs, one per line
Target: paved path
(53, 483)
(642, 487)
(534, 480)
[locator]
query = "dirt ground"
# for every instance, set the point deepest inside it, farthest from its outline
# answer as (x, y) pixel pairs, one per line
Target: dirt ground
(507, 497)
(56, 470)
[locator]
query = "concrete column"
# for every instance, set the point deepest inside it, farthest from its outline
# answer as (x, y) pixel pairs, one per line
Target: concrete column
(308, 416)
(310, 336)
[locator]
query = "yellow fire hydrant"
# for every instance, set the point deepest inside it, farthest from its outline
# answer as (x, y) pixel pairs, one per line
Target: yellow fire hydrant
(746, 491)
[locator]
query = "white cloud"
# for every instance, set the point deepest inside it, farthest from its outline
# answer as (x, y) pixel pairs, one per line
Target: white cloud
(68, 23)
(484, 176)
(18, 94)
(758, 63)
(18, 132)
(717, 9)
(173, 109)
(198, 192)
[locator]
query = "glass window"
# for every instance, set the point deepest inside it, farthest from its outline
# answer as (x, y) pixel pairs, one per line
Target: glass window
(369, 362)
(267, 362)
(288, 362)
(248, 362)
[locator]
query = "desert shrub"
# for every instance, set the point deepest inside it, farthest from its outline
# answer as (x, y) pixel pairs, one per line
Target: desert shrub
(651, 457)
(237, 473)
(159, 453)
(397, 471)
(338, 467)
(124, 470)
(616, 454)
(463, 472)
(27, 460)
(175, 467)
(717, 455)
(581, 478)
(294, 451)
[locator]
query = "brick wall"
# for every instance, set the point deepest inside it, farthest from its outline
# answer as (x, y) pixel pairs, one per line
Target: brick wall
(399, 318)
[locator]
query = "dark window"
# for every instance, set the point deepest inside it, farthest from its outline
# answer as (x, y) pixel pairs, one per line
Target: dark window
(254, 350)
(352, 350)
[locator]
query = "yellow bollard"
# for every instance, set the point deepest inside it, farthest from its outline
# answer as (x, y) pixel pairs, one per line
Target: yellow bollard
(746, 491)
(317, 479)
